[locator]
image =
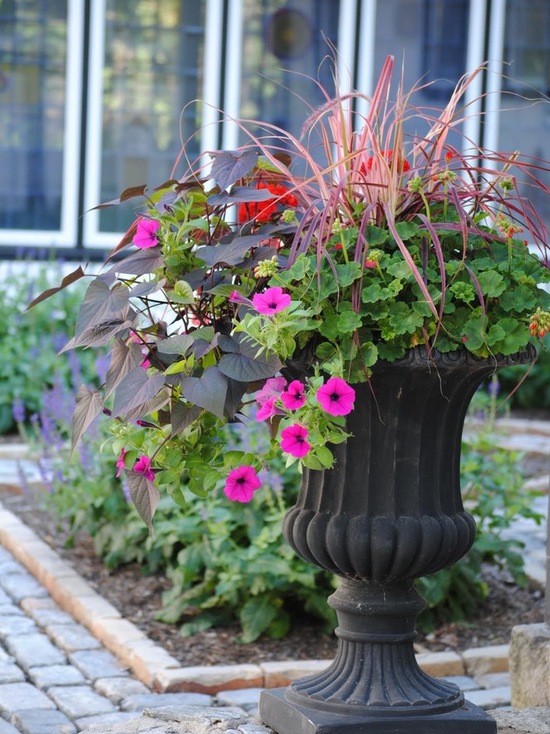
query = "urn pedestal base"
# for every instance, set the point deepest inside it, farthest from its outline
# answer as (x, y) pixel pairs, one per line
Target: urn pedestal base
(286, 717)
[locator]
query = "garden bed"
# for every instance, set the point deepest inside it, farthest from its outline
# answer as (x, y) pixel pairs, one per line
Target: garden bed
(138, 598)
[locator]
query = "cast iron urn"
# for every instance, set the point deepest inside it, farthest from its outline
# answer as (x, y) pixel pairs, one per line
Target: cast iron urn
(389, 512)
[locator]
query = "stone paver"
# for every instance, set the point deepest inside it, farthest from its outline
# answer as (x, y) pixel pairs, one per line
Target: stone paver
(55, 675)
(10, 672)
(19, 696)
(34, 650)
(72, 637)
(96, 664)
(115, 689)
(37, 721)
(79, 701)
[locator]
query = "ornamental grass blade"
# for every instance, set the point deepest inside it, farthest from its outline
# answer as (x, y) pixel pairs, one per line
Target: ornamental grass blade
(89, 404)
(145, 496)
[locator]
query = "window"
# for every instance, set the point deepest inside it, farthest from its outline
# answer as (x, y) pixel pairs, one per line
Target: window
(527, 47)
(39, 70)
(445, 44)
(149, 74)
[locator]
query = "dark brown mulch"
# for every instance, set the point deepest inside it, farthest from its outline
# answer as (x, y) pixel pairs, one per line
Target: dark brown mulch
(138, 598)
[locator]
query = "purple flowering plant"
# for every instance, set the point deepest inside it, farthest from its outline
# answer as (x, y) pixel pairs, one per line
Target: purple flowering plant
(247, 293)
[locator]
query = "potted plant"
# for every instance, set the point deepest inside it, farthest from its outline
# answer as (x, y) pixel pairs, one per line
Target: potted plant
(354, 308)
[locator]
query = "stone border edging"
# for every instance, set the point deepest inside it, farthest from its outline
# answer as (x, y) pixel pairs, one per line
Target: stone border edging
(159, 670)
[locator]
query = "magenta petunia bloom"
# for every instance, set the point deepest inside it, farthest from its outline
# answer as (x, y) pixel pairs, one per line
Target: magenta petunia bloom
(294, 396)
(293, 440)
(267, 410)
(271, 301)
(145, 236)
(241, 484)
(237, 297)
(143, 466)
(272, 389)
(336, 396)
(120, 465)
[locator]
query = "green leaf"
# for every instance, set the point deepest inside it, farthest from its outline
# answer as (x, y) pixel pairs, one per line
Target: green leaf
(375, 235)
(406, 230)
(256, 615)
(492, 283)
(520, 299)
(347, 273)
(373, 293)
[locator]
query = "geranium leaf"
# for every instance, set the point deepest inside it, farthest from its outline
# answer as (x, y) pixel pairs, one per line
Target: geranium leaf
(124, 358)
(137, 388)
(145, 496)
(100, 304)
(89, 404)
(229, 166)
(207, 391)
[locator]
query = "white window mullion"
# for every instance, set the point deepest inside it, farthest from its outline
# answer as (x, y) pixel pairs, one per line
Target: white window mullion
(346, 45)
(213, 64)
(474, 57)
(367, 44)
(494, 74)
(73, 123)
(92, 235)
(233, 73)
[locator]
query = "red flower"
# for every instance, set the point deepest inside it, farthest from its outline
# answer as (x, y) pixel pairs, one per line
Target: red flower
(263, 211)
(402, 163)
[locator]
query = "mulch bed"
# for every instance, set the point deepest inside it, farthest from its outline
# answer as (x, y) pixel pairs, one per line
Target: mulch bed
(138, 598)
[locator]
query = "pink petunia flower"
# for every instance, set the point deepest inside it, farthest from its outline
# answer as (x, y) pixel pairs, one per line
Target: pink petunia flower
(271, 301)
(241, 484)
(143, 466)
(336, 396)
(145, 235)
(237, 297)
(272, 389)
(120, 464)
(293, 440)
(267, 410)
(294, 396)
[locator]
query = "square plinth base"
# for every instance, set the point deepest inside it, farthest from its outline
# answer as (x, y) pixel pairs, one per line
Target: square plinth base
(285, 717)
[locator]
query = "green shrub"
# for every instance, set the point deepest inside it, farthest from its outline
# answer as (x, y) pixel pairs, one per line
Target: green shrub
(30, 340)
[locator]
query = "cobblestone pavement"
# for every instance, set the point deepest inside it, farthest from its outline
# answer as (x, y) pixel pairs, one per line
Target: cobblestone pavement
(58, 678)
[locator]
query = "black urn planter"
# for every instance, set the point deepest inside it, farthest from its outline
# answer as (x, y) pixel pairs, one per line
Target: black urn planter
(389, 512)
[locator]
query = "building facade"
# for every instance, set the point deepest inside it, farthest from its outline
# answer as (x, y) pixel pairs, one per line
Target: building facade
(99, 95)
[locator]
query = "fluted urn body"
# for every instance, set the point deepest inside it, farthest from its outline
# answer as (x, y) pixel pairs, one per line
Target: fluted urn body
(389, 512)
